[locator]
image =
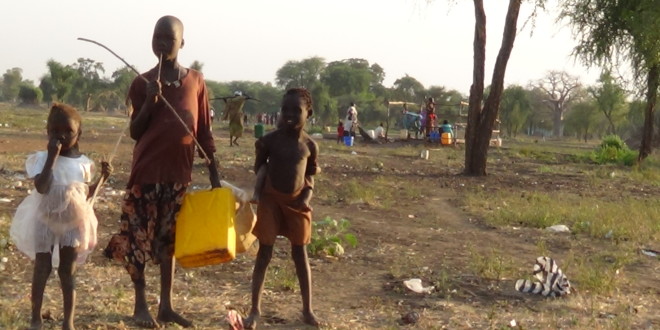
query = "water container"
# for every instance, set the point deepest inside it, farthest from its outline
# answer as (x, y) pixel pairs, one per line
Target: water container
(258, 130)
(446, 139)
(348, 140)
(205, 233)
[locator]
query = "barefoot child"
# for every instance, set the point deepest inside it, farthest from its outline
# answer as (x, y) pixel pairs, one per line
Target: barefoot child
(284, 200)
(161, 169)
(57, 212)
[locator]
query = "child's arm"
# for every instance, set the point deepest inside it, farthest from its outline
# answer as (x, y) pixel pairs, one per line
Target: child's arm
(106, 170)
(140, 121)
(311, 170)
(214, 175)
(44, 179)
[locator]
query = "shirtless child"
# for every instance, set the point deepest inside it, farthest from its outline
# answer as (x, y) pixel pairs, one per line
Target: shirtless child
(283, 207)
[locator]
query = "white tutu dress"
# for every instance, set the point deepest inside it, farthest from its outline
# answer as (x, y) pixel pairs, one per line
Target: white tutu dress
(62, 217)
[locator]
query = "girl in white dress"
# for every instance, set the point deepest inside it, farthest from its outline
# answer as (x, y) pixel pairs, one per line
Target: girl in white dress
(57, 212)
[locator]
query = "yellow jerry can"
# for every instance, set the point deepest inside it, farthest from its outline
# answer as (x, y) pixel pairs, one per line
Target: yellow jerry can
(205, 233)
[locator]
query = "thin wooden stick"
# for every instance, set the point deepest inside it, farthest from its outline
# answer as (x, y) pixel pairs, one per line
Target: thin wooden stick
(167, 103)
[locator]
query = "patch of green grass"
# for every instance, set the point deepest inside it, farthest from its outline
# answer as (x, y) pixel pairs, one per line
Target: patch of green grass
(491, 265)
(599, 273)
(357, 191)
(282, 277)
(626, 219)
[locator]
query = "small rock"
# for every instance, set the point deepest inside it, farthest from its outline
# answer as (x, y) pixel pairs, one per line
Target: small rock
(559, 229)
(410, 318)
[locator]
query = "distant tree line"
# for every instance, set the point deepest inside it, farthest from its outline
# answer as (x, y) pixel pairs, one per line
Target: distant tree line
(554, 105)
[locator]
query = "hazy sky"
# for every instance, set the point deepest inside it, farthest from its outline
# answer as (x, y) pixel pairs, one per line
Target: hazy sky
(251, 39)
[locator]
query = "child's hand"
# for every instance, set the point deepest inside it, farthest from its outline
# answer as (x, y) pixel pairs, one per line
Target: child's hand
(153, 90)
(54, 146)
(302, 205)
(106, 169)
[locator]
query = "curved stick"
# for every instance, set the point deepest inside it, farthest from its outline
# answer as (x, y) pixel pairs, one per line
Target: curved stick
(160, 96)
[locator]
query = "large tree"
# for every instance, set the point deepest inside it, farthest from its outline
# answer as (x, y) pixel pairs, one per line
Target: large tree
(559, 89)
(515, 109)
(610, 32)
(611, 100)
(303, 73)
(482, 116)
(11, 83)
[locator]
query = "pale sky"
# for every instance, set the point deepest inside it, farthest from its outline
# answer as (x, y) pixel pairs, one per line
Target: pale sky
(252, 39)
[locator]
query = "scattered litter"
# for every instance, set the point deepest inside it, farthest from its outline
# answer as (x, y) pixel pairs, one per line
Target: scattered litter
(415, 285)
(553, 282)
(353, 153)
(609, 234)
(513, 323)
(5, 200)
(425, 154)
(4, 259)
(411, 216)
(559, 229)
(651, 253)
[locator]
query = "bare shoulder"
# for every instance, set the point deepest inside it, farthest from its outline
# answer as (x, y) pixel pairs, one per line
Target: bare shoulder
(311, 144)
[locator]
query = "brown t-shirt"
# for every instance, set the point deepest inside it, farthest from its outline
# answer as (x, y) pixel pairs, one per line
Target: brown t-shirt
(165, 152)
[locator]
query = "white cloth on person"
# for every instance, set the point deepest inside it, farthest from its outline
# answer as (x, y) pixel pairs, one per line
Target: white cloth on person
(351, 117)
(63, 216)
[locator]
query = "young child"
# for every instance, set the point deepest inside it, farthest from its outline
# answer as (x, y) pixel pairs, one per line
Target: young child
(340, 132)
(57, 212)
(161, 168)
(284, 207)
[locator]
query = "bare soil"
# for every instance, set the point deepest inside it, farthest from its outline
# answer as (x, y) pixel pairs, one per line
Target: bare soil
(415, 227)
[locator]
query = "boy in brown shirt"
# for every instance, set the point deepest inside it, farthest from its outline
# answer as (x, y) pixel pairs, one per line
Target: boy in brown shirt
(162, 168)
(289, 157)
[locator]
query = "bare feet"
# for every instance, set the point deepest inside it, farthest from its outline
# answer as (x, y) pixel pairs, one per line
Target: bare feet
(310, 318)
(172, 316)
(144, 320)
(251, 321)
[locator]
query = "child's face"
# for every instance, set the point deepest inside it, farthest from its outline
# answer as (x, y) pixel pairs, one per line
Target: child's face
(167, 39)
(295, 112)
(64, 129)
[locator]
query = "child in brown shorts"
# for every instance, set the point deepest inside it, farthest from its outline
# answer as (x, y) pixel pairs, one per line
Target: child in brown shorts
(283, 207)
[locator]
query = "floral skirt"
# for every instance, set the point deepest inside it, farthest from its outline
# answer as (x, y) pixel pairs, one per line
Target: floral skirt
(147, 226)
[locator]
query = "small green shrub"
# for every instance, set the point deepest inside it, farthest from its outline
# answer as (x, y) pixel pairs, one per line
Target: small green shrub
(613, 150)
(330, 236)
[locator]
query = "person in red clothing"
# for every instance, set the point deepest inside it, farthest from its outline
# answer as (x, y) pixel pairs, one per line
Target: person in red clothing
(340, 131)
(162, 168)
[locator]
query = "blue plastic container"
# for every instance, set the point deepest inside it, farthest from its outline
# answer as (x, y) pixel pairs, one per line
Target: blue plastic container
(348, 141)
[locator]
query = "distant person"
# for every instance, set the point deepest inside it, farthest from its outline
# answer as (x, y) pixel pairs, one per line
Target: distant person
(430, 123)
(212, 113)
(161, 170)
(234, 113)
(284, 202)
(446, 127)
(57, 215)
(340, 131)
(351, 120)
(380, 131)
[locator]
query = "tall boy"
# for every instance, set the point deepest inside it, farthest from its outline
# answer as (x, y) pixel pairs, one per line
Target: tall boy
(162, 168)
(284, 201)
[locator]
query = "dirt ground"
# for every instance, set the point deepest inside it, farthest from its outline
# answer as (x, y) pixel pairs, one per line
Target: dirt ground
(415, 226)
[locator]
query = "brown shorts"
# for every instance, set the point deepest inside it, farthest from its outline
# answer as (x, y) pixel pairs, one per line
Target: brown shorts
(275, 217)
(147, 226)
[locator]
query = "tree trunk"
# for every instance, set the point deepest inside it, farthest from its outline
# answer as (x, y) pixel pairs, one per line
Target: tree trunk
(481, 121)
(651, 96)
(477, 88)
(557, 121)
